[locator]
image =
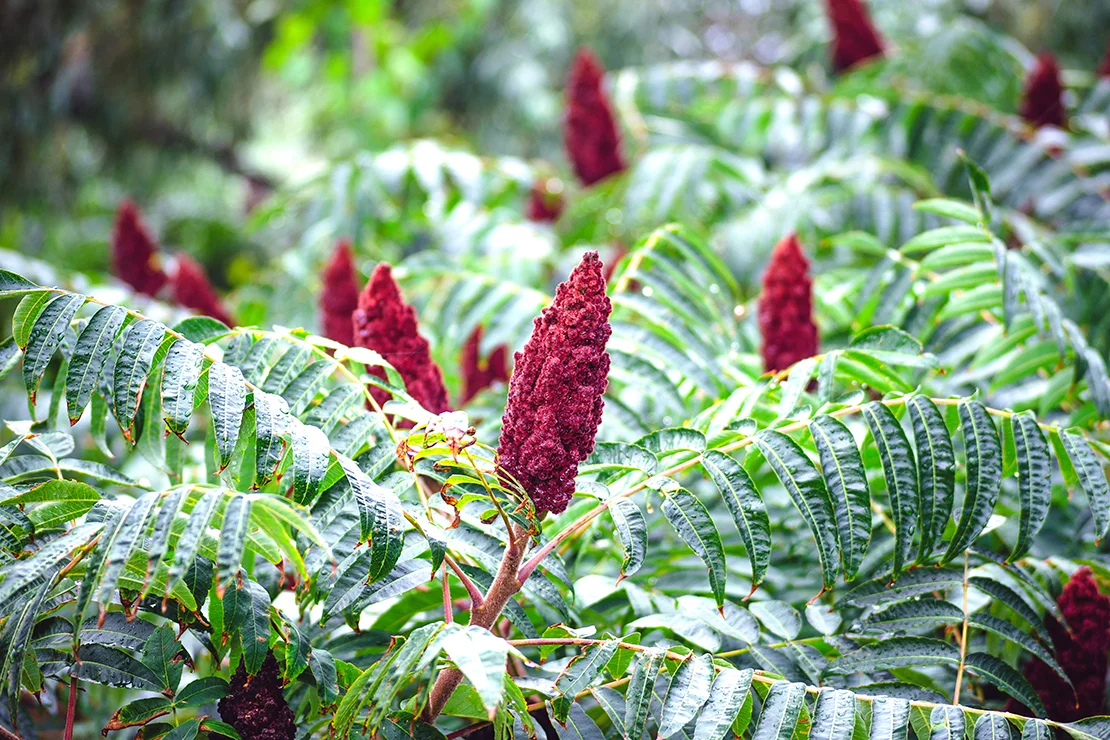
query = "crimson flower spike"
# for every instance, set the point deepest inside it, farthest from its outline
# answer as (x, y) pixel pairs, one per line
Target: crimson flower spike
(255, 705)
(1042, 103)
(786, 307)
(855, 39)
(555, 393)
(339, 295)
(1104, 70)
(192, 290)
(1082, 653)
(478, 375)
(544, 205)
(590, 131)
(386, 324)
(135, 258)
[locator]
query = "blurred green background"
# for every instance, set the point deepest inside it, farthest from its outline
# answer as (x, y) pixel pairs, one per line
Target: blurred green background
(200, 110)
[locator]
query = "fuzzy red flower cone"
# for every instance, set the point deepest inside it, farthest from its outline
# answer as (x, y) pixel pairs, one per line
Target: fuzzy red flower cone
(786, 307)
(590, 132)
(135, 257)
(339, 295)
(192, 290)
(855, 39)
(1042, 103)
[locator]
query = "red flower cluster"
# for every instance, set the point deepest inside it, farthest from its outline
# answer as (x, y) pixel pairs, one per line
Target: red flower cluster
(544, 205)
(1042, 102)
(339, 297)
(255, 706)
(1104, 70)
(192, 290)
(476, 375)
(555, 394)
(786, 307)
(386, 324)
(854, 36)
(1082, 654)
(590, 131)
(134, 253)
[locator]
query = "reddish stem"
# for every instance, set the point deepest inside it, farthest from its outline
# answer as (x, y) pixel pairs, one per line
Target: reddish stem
(71, 711)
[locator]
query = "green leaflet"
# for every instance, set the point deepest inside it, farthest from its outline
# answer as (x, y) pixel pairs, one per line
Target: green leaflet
(45, 337)
(781, 710)
(834, 718)
(912, 615)
(946, 723)
(1002, 593)
(936, 471)
(638, 697)
(272, 419)
(688, 691)
(847, 484)
(250, 614)
(1002, 676)
(900, 474)
(1010, 633)
(991, 726)
(233, 538)
(726, 697)
(1034, 480)
(807, 490)
(170, 505)
(779, 617)
(90, 354)
(136, 352)
(381, 518)
(914, 583)
(890, 718)
(480, 656)
(227, 397)
(180, 375)
(897, 652)
(311, 456)
(130, 536)
(1092, 478)
(692, 522)
(746, 506)
(631, 528)
(984, 475)
(1034, 729)
(581, 727)
(189, 541)
(579, 674)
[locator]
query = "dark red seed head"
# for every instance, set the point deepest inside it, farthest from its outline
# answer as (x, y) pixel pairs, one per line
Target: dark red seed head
(386, 324)
(477, 373)
(192, 290)
(135, 258)
(543, 205)
(1042, 103)
(855, 39)
(1104, 70)
(339, 295)
(555, 393)
(255, 705)
(590, 132)
(786, 307)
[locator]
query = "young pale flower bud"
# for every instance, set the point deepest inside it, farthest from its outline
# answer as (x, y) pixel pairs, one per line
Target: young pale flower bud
(786, 307)
(135, 258)
(1042, 103)
(855, 39)
(255, 705)
(1082, 653)
(192, 290)
(477, 375)
(555, 393)
(386, 324)
(339, 296)
(590, 131)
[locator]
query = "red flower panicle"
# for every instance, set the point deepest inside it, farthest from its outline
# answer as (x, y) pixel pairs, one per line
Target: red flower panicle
(192, 290)
(255, 705)
(855, 39)
(1042, 103)
(339, 296)
(555, 403)
(1104, 70)
(786, 307)
(543, 205)
(134, 253)
(590, 131)
(386, 324)
(1082, 653)
(478, 375)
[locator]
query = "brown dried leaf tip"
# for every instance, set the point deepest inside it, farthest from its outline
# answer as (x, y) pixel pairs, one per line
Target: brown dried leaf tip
(339, 295)
(386, 324)
(479, 374)
(855, 39)
(590, 131)
(135, 257)
(1042, 103)
(192, 290)
(256, 706)
(555, 393)
(786, 307)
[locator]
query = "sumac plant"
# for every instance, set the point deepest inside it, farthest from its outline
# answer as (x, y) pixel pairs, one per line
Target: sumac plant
(867, 500)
